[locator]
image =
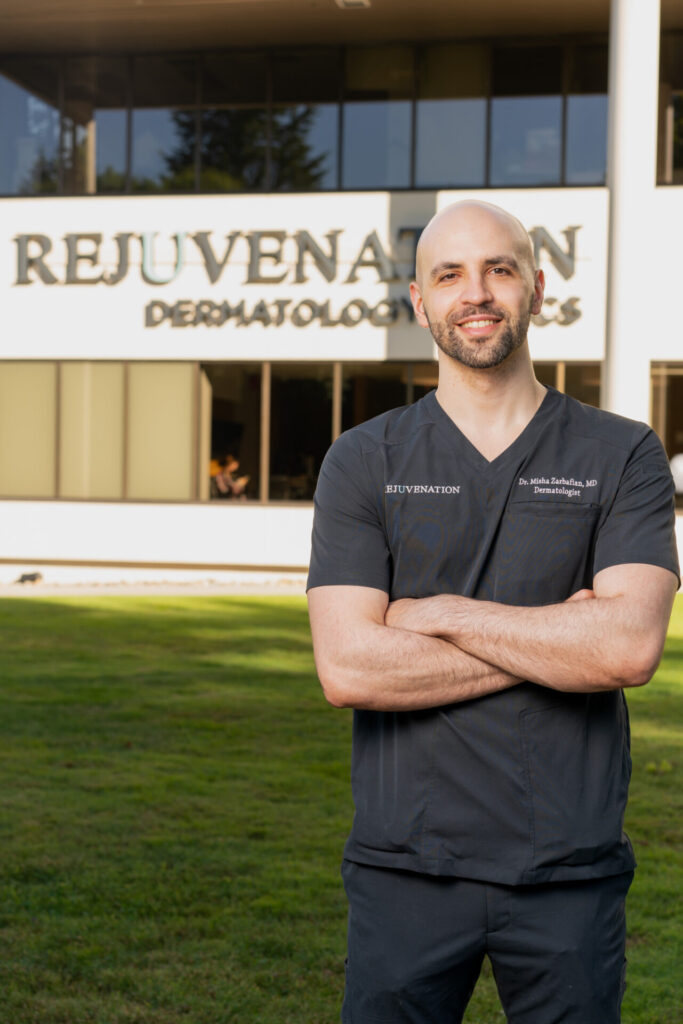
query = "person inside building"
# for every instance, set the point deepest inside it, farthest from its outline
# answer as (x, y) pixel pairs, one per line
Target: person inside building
(491, 568)
(224, 483)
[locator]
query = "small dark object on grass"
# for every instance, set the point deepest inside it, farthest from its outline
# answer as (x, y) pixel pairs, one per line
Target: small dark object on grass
(30, 577)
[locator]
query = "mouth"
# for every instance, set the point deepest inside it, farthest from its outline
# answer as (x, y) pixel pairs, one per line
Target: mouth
(478, 327)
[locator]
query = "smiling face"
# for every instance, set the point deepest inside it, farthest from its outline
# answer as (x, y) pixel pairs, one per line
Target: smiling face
(476, 287)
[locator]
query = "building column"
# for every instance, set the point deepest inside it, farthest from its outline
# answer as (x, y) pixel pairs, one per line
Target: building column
(631, 171)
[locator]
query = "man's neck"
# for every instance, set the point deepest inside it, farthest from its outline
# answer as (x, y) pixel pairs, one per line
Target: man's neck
(490, 407)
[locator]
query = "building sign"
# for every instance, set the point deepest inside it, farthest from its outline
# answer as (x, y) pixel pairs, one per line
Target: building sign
(286, 273)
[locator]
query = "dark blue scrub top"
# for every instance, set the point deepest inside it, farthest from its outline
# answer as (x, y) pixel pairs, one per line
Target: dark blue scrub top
(530, 784)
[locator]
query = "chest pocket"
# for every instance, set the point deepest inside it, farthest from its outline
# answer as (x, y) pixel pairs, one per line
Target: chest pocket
(544, 552)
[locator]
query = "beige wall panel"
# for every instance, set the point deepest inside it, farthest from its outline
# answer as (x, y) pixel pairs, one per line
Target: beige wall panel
(91, 430)
(160, 431)
(28, 395)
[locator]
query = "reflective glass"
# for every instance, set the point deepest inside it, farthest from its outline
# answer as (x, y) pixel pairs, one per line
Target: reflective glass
(94, 133)
(677, 147)
(29, 115)
(234, 149)
(304, 144)
(526, 137)
(376, 148)
(586, 155)
(300, 428)
(28, 448)
(160, 449)
(450, 143)
(165, 123)
(582, 381)
(235, 403)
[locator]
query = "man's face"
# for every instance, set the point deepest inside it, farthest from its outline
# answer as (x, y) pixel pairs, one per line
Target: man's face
(477, 288)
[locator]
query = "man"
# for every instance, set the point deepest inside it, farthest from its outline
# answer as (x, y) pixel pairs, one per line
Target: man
(491, 568)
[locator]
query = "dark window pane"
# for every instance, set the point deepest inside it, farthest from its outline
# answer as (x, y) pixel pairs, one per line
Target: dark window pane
(369, 389)
(235, 429)
(525, 141)
(586, 159)
(677, 156)
(582, 381)
(527, 70)
(29, 115)
(376, 149)
(546, 373)
(94, 141)
(234, 146)
(588, 69)
(453, 71)
(300, 430)
(382, 72)
(234, 78)
(304, 147)
(451, 143)
(164, 81)
(306, 76)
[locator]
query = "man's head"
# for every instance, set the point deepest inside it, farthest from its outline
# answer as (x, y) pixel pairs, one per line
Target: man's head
(476, 286)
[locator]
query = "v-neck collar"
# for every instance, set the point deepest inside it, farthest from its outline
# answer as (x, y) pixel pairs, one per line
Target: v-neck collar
(455, 435)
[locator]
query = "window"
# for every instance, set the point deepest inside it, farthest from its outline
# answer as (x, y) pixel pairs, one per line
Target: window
(450, 144)
(29, 120)
(160, 436)
(586, 128)
(95, 125)
(234, 123)
(164, 124)
(28, 406)
(526, 116)
(234, 400)
(91, 430)
(670, 147)
(377, 118)
(300, 427)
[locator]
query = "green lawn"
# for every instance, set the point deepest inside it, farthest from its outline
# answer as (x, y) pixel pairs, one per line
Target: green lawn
(173, 802)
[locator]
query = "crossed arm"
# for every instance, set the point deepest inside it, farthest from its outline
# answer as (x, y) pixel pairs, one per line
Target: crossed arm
(426, 652)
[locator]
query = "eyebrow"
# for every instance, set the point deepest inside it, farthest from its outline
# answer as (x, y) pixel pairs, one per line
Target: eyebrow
(491, 261)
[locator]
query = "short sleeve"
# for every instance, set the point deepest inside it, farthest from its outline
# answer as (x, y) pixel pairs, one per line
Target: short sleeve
(349, 545)
(640, 525)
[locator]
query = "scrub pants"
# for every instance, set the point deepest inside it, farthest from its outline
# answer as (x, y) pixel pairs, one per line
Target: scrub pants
(416, 945)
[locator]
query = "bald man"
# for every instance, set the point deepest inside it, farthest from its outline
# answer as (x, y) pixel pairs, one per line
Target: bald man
(492, 567)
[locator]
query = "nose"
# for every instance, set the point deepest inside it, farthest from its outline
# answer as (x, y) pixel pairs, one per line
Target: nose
(476, 290)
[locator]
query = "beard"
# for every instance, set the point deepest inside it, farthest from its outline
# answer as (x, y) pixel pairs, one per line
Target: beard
(482, 354)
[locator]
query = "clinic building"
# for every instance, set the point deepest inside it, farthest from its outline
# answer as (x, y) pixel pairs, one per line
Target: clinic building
(208, 224)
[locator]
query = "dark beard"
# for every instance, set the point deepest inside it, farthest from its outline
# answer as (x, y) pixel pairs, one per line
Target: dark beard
(478, 354)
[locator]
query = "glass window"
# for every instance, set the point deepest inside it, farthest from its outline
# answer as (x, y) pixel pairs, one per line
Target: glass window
(161, 431)
(28, 404)
(235, 431)
(677, 138)
(234, 130)
(667, 416)
(377, 117)
(546, 374)
(582, 381)
(369, 389)
(300, 428)
(91, 430)
(586, 130)
(165, 124)
(526, 116)
(94, 139)
(29, 115)
(305, 124)
(451, 116)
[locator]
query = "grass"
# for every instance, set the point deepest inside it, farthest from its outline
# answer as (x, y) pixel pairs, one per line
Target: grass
(174, 798)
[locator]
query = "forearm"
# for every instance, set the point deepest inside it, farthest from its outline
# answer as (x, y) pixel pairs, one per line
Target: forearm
(578, 646)
(383, 669)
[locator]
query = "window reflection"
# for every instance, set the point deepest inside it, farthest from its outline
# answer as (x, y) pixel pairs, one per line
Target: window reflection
(234, 149)
(525, 140)
(304, 147)
(586, 157)
(164, 124)
(29, 117)
(376, 145)
(94, 126)
(450, 143)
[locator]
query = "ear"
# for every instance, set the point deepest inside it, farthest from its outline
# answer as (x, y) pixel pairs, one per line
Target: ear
(539, 291)
(418, 304)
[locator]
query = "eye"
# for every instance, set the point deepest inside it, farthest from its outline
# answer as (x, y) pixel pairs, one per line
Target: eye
(500, 271)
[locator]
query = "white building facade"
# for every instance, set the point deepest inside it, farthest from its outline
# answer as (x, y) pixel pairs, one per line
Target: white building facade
(205, 253)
